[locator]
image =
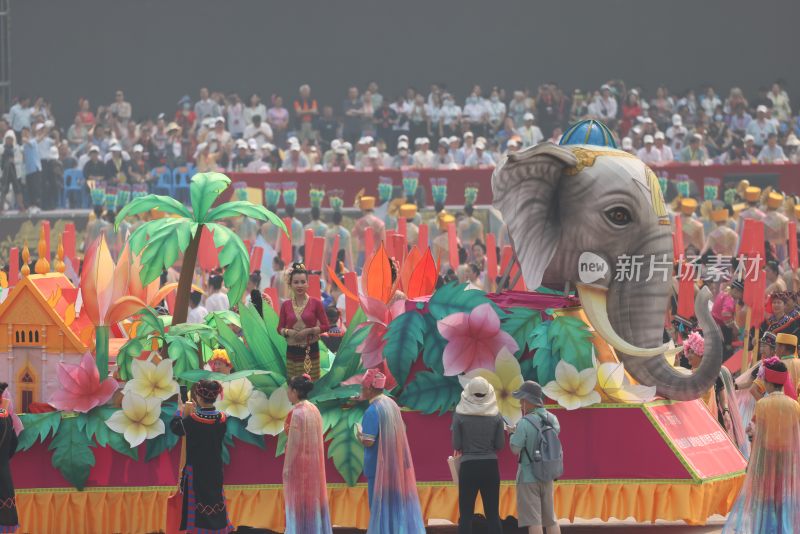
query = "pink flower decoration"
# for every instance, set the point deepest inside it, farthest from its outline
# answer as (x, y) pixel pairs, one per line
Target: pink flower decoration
(473, 340)
(82, 389)
(379, 315)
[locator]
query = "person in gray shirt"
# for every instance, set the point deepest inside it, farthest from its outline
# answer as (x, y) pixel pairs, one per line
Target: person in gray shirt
(478, 434)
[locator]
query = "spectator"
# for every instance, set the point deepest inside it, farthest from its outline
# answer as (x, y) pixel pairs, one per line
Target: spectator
(450, 116)
(627, 145)
(121, 109)
(33, 168)
(327, 127)
(205, 107)
(434, 108)
(695, 151)
(677, 129)
(709, 102)
(443, 158)
(65, 155)
(12, 168)
(496, 111)
(377, 98)
(529, 133)
(661, 106)
(367, 114)
(77, 135)
(750, 148)
(547, 110)
(423, 157)
(258, 130)
(517, 109)
(480, 158)
(295, 160)
(19, 115)
(771, 152)
(185, 118)
(467, 150)
(351, 110)
(242, 158)
(665, 152)
(579, 108)
(137, 167)
(740, 120)
(761, 127)
(418, 118)
(85, 112)
(175, 154)
(305, 113)
(402, 109)
(631, 110)
(205, 160)
(219, 139)
(534, 497)
(117, 169)
(94, 169)
(235, 111)
(648, 153)
(403, 160)
(150, 152)
(372, 161)
(385, 122)
(605, 105)
(255, 108)
(735, 100)
(476, 115)
(278, 119)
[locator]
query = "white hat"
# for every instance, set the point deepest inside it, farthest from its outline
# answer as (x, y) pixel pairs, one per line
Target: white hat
(792, 140)
(373, 152)
(697, 137)
(417, 141)
(362, 141)
(219, 119)
(368, 139)
(335, 144)
(749, 137)
(403, 137)
(468, 134)
(9, 134)
(253, 144)
(241, 143)
(648, 139)
(93, 148)
(444, 141)
(402, 145)
(269, 147)
(138, 148)
(528, 116)
(659, 135)
(637, 130)
(48, 123)
(453, 139)
(317, 167)
(480, 144)
(627, 143)
(647, 120)
(115, 148)
(762, 109)
(425, 141)
(347, 146)
(38, 126)
(202, 146)
(293, 139)
(53, 152)
(294, 147)
(512, 142)
(341, 151)
(677, 120)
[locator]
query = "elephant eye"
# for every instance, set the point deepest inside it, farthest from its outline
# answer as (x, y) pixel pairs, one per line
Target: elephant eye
(619, 216)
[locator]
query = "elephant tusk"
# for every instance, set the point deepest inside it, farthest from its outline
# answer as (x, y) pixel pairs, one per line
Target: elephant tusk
(593, 300)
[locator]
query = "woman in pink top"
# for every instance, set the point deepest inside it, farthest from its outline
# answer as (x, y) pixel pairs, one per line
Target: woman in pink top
(302, 320)
(278, 119)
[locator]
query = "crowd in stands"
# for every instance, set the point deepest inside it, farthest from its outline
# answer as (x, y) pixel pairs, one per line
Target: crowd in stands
(367, 131)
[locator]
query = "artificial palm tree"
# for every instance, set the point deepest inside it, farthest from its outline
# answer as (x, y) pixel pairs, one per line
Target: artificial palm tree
(161, 240)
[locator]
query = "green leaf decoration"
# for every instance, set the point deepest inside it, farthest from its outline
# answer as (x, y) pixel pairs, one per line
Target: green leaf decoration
(96, 429)
(345, 449)
(403, 339)
(234, 258)
(195, 375)
(167, 440)
(571, 341)
(164, 244)
(433, 345)
(267, 382)
(520, 324)
(189, 328)
(37, 427)
(238, 352)
(331, 414)
(227, 443)
(131, 350)
(544, 360)
(528, 370)
(340, 393)
(452, 298)
(183, 352)
(245, 208)
(72, 452)
(431, 392)
(280, 447)
(204, 189)
(238, 429)
(148, 202)
(152, 322)
(271, 321)
(261, 342)
(348, 361)
(226, 316)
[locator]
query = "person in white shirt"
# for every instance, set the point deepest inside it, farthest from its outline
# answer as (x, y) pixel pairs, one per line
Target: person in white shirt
(258, 130)
(423, 158)
(217, 300)
(475, 111)
(255, 108)
(664, 151)
(197, 312)
(648, 153)
(772, 152)
(480, 158)
(627, 145)
(529, 133)
(677, 128)
(606, 104)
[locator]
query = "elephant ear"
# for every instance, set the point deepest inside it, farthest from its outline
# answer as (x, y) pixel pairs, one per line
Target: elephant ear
(525, 185)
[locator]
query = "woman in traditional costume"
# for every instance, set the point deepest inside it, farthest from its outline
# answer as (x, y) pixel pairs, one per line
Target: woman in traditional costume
(204, 509)
(304, 487)
(770, 498)
(8, 445)
(302, 320)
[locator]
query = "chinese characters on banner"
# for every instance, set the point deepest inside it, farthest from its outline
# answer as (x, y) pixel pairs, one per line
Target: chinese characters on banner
(639, 267)
(697, 436)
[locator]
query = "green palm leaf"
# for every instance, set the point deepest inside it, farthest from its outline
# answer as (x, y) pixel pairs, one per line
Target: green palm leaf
(245, 208)
(234, 258)
(204, 190)
(240, 355)
(259, 339)
(146, 203)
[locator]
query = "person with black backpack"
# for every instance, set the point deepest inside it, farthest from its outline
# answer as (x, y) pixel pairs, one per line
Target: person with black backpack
(535, 440)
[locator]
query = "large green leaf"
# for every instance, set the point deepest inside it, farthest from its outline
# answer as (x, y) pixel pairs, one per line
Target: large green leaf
(571, 341)
(234, 258)
(331, 413)
(348, 360)
(271, 321)
(238, 352)
(96, 429)
(195, 375)
(189, 328)
(227, 443)
(148, 202)
(72, 452)
(259, 339)
(433, 345)
(431, 392)
(544, 359)
(204, 189)
(167, 440)
(131, 350)
(267, 382)
(245, 208)
(280, 447)
(226, 316)
(37, 427)
(163, 247)
(452, 298)
(340, 393)
(520, 324)
(238, 429)
(345, 449)
(403, 339)
(183, 352)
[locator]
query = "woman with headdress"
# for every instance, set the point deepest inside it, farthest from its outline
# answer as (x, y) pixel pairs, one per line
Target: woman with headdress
(783, 319)
(304, 486)
(770, 498)
(8, 445)
(302, 319)
(204, 509)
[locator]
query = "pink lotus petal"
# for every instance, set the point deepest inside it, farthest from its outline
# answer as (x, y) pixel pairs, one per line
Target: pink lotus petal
(483, 321)
(457, 356)
(397, 308)
(454, 326)
(371, 348)
(374, 309)
(82, 388)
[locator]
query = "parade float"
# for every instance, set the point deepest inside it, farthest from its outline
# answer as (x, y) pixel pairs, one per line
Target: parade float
(103, 368)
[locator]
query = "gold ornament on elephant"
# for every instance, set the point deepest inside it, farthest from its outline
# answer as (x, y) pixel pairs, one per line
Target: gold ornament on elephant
(587, 157)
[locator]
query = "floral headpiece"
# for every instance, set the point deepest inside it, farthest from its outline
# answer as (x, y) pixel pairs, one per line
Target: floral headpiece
(695, 343)
(315, 196)
(123, 196)
(711, 188)
(290, 193)
(410, 184)
(336, 199)
(220, 354)
(470, 195)
(240, 190)
(385, 189)
(683, 186)
(98, 195)
(439, 190)
(272, 196)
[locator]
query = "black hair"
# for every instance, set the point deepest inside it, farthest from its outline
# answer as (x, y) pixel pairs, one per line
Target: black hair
(302, 385)
(315, 213)
(775, 366)
(393, 268)
(256, 118)
(468, 210)
(332, 312)
(208, 390)
(194, 298)
(3, 387)
(296, 268)
(277, 260)
(773, 266)
(98, 211)
(462, 255)
(474, 268)
(215, 281)
(255, 277)
(438, 206)
(258, 301)
(479, 243)
(337, 217)
(289, 211)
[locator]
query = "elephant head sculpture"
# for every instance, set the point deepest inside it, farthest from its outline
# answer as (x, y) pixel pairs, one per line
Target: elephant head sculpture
(594, 216)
